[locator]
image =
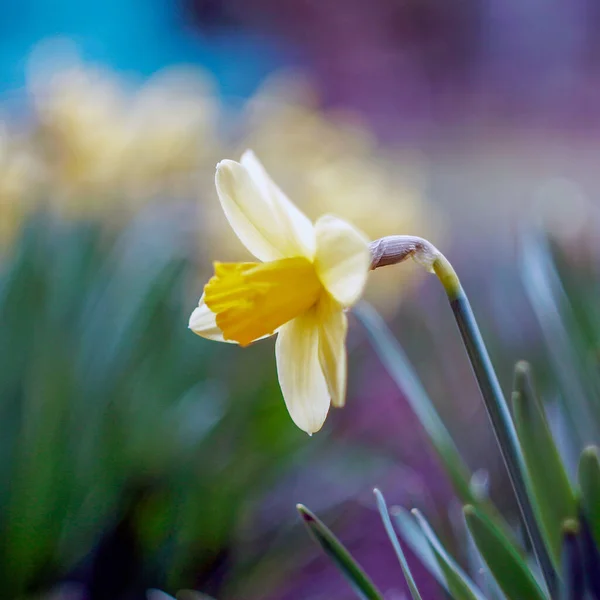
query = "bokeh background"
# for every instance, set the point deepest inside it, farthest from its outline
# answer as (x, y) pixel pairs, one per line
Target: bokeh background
(135, 455)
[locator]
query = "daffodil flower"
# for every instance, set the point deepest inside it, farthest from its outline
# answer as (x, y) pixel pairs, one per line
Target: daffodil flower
(308, 276)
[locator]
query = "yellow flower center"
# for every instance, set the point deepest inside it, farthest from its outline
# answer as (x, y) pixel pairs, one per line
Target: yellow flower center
(252, 300)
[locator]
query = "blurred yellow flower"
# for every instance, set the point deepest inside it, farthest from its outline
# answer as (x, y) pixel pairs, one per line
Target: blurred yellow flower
(308, 276)
(79, 133)
(107, 146)
(331, 163)
(172, 134)
(19, 178)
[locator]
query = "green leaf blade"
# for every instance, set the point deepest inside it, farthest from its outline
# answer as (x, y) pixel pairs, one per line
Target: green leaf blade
(588, 476)
(459, 584)
(401, 371)
(399, 368)
(554, 498)
(504, 561)
(414, 537)
(389, 528)
(358, 579)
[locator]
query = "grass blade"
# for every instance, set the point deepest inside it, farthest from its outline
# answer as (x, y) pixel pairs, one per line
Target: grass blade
(358, 579)
(506, 565)
(459, 584)
(588, 476)
(554, 499)
(389, 527)
(414, 537)
(551, 307)
(398, 366)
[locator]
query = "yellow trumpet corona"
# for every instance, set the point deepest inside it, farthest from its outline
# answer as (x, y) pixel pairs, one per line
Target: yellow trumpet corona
(308, 275)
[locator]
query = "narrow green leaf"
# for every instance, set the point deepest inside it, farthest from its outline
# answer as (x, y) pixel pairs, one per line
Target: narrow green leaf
(389, 527)
(554, 499)
(459, 585)
(476, 565)
(402, 372)
(573, 581)
(588, 475)
(358, 579)
(506, 564)
(553, 310)
(399, 368)
(412, 534)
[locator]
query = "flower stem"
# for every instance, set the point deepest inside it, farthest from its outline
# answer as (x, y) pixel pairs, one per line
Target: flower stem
(502, 423)
(495, 403)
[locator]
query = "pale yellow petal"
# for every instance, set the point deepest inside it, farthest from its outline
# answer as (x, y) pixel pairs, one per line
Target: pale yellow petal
(248, 211)
(268, 224)
(297, 228)
(300, 375)
(203, 322)
(333, 327)
(342, 259)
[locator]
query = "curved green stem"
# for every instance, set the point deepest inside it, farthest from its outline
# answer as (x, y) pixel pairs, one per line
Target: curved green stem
(447, 275)
(502, 423)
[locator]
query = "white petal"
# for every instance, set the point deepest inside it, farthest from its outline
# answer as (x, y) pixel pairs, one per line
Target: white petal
(300, 375)
(333, 327)
(264, 220)
(204, 323)
(342, 260)
(297, 227)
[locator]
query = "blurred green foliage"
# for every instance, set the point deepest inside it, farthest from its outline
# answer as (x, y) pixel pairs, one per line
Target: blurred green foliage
(123, 435)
